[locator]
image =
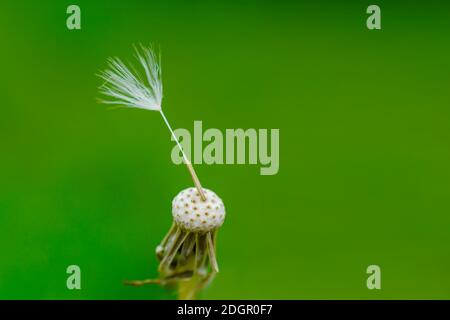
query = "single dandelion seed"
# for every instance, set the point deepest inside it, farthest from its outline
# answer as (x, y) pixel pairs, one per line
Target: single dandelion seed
(125, 87)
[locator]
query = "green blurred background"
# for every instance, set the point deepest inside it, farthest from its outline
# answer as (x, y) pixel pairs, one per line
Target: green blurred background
(364, 125)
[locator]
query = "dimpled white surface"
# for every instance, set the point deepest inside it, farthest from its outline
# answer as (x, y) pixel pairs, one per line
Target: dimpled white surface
(193, 214)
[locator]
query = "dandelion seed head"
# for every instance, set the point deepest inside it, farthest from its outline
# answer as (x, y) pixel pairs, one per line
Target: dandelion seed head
(202, 216)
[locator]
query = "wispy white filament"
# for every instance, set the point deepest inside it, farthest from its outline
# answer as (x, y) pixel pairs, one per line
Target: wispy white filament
(125, 87)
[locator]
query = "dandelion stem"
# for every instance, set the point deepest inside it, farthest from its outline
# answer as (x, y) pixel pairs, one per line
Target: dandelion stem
(186, 160)
(138, 283)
